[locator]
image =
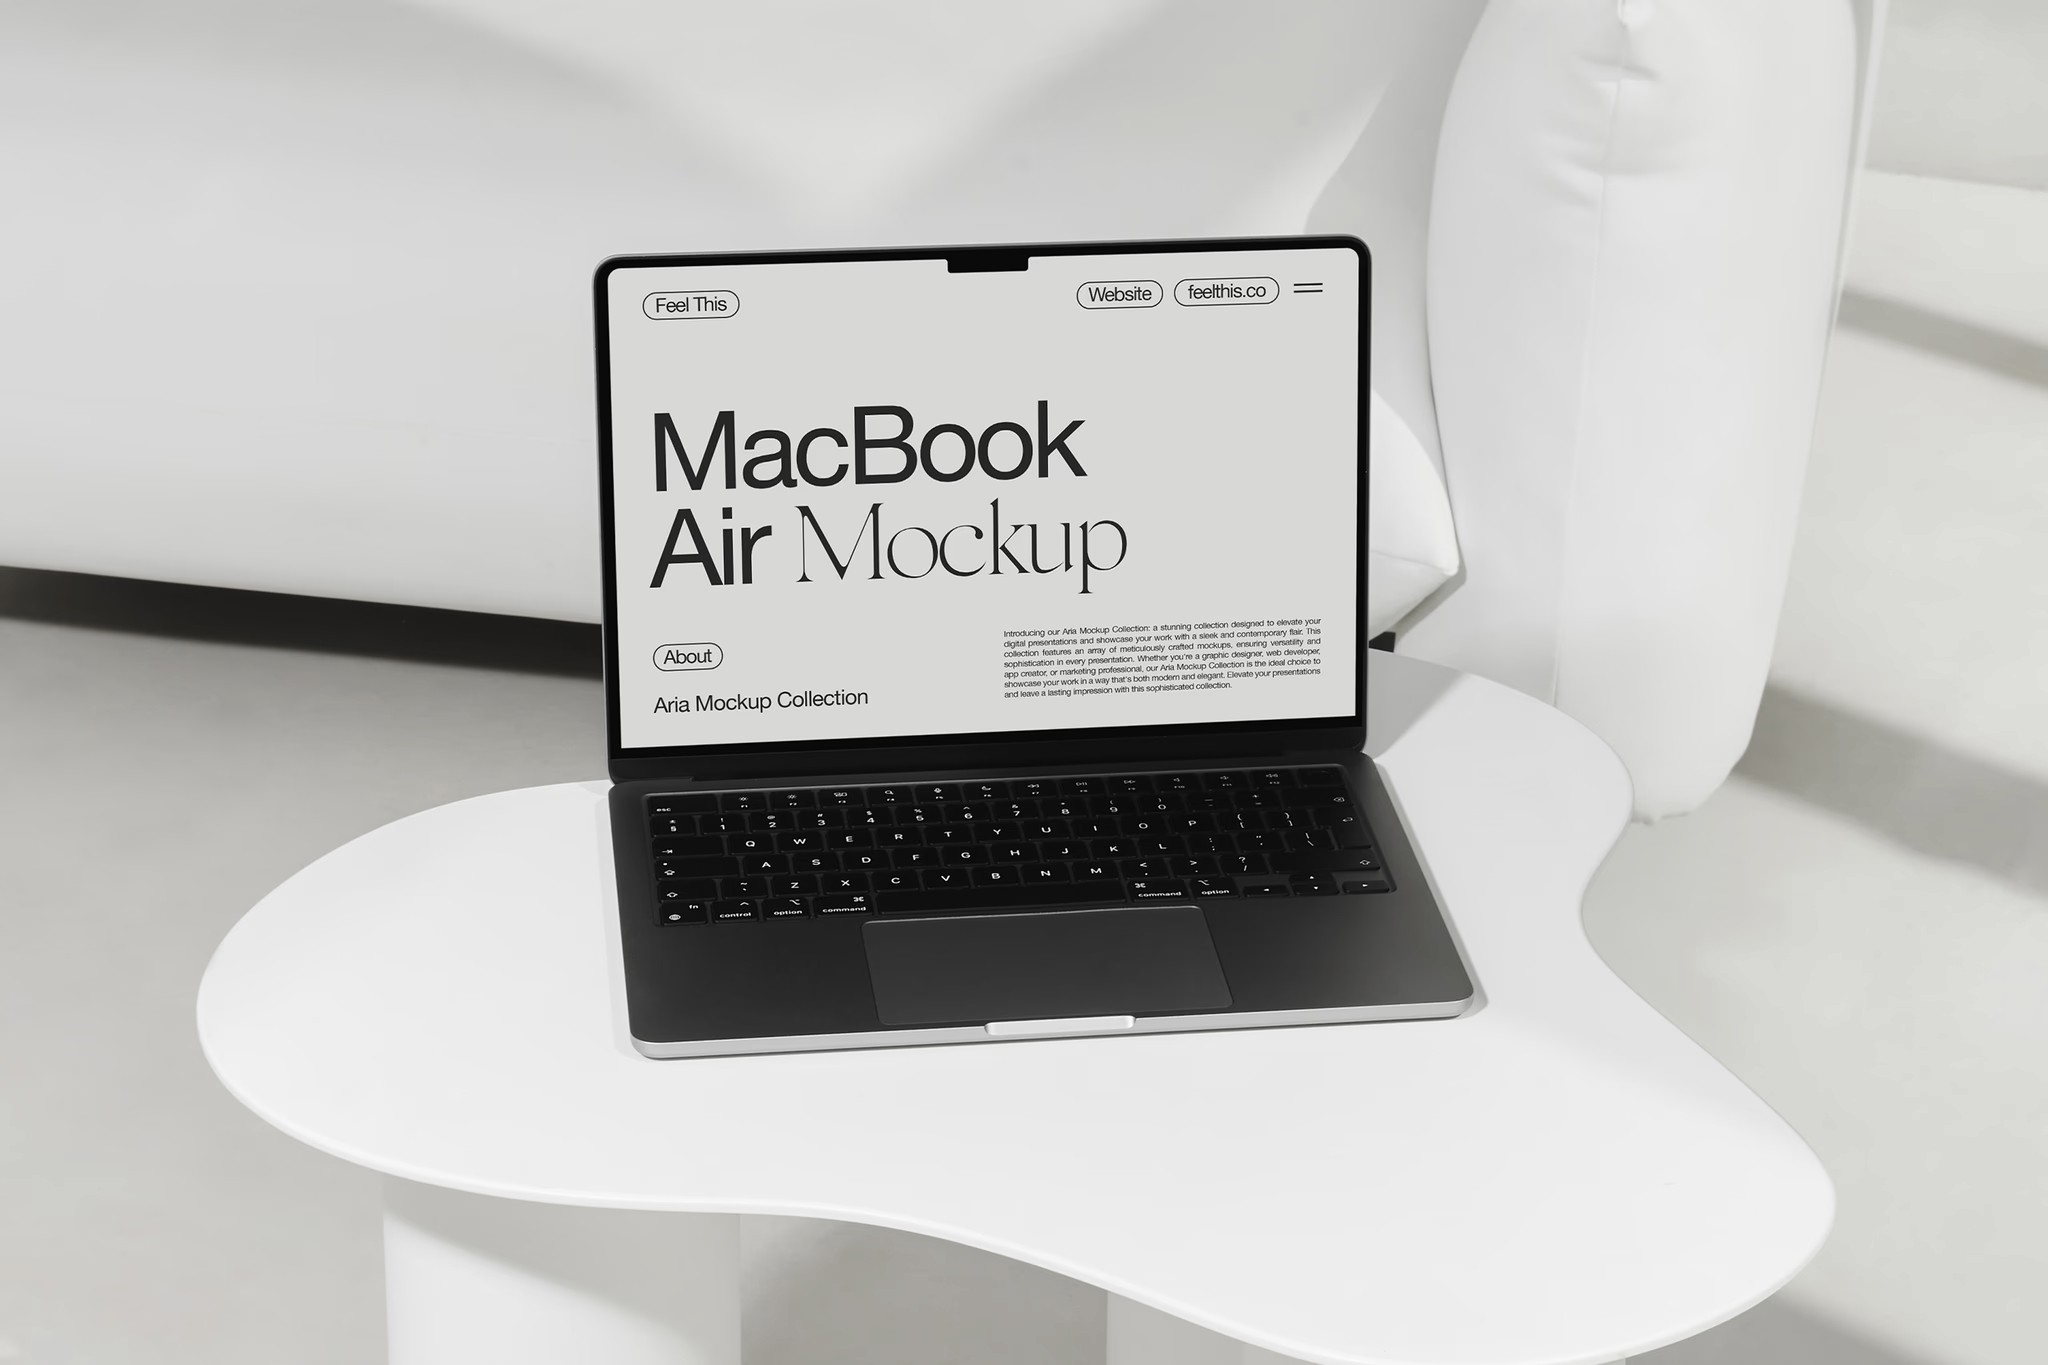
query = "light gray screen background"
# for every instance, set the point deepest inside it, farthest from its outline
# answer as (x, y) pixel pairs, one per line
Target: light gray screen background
(1223, 439)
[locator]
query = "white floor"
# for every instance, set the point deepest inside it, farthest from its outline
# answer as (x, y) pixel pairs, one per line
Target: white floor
(1869, 963)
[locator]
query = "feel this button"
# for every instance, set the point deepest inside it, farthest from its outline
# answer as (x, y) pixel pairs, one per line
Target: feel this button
(1242, 289)
(698, 303)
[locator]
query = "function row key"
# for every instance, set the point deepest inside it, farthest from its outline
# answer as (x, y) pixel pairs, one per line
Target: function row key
(805, 798)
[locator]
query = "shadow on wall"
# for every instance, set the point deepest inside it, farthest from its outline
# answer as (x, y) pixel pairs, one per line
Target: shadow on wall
(1778, 1332)
(321, 625)
(1938, 334)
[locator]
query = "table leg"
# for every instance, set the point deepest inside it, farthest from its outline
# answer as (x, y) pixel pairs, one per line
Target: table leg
(1145, 1336)
(472, 1278)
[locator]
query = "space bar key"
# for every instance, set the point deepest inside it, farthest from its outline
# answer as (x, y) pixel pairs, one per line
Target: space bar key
(968, 899)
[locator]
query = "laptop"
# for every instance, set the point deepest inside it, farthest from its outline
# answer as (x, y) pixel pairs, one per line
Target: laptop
(982, 636)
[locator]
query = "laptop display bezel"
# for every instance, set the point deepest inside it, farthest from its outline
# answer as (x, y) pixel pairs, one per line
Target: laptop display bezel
(990, 749)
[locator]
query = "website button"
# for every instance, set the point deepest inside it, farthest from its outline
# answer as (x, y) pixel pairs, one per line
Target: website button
(1120, 294)
(1241, 289)
(698, 303)
(688, 658)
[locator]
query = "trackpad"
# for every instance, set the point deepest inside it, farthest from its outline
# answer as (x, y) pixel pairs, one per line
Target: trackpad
(1150, 959)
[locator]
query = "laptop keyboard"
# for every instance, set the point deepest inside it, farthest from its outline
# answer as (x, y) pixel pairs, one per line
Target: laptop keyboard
(1016, 844)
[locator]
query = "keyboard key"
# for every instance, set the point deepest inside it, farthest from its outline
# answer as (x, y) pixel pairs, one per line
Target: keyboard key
(1012, 853)
(849, 838)
(812, 862)
(1093, 872)
(1177, 782)
(894, 881)
(727, 911)
(1271, 777)
(1309, 840)
(841, 796)
(899, 838)
(743, 801)
(1113, 848)
(842, 883)
(1209, 887)
(721, 824)
(984, 791)
(1332, 860)
(1012, 810)
(671, 868)
(1205, 865)
(1081, 786)
(1144, 867)
(914, 857)
(999, 831)
(799, 841)
(1366, 885)
(948, 834)
(790, 800)
(769, 821)
(889, 796)
(995, 876)
(1062, 850)
(962, 855)
(1319, 777)
(692, 889)
(1241, 864)
(1267, 888)
(967, 900)
(1042, 829)
(864, 859)
(755, 864)
(940, 792)
(783, 907)
(1128, 784)
(692, 803)
(1157, 888)
(748, 887)
(794, 884)
(946, 879)
(1312, 884)
(1032, 788)
(1093, 827)
(965, 812)
(870, 817)
(1223, 781)
(684, 912)
(749, 843)
(689, 847)
(1047, 872)
(1345, 824)
(842, 905)
(668, 826)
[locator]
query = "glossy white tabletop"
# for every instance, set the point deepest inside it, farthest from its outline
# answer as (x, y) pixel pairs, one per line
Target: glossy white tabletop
(1559, 1176)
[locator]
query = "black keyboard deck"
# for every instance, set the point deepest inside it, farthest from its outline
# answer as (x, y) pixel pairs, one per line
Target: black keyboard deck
(1015, 844)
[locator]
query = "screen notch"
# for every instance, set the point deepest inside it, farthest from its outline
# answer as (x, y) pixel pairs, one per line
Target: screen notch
(986, 260)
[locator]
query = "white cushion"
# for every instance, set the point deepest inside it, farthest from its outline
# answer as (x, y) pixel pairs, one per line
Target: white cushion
(1631, 266)
(300, 301)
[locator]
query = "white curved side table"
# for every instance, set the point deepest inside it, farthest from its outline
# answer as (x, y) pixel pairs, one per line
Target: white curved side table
(1559, 1176)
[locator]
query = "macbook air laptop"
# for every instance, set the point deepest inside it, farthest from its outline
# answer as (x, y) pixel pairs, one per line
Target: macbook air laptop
(982, 648)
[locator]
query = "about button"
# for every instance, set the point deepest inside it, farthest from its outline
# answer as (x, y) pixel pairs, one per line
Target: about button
(688, 658)
(1208, 293)
(701, 303)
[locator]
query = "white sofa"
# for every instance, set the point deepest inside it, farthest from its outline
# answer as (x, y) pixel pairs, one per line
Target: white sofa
(295, 297)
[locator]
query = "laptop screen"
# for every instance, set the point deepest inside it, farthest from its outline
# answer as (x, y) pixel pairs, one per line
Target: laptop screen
(886, 496)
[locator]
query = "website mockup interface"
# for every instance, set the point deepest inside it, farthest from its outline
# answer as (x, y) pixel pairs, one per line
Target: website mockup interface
(880, 499)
